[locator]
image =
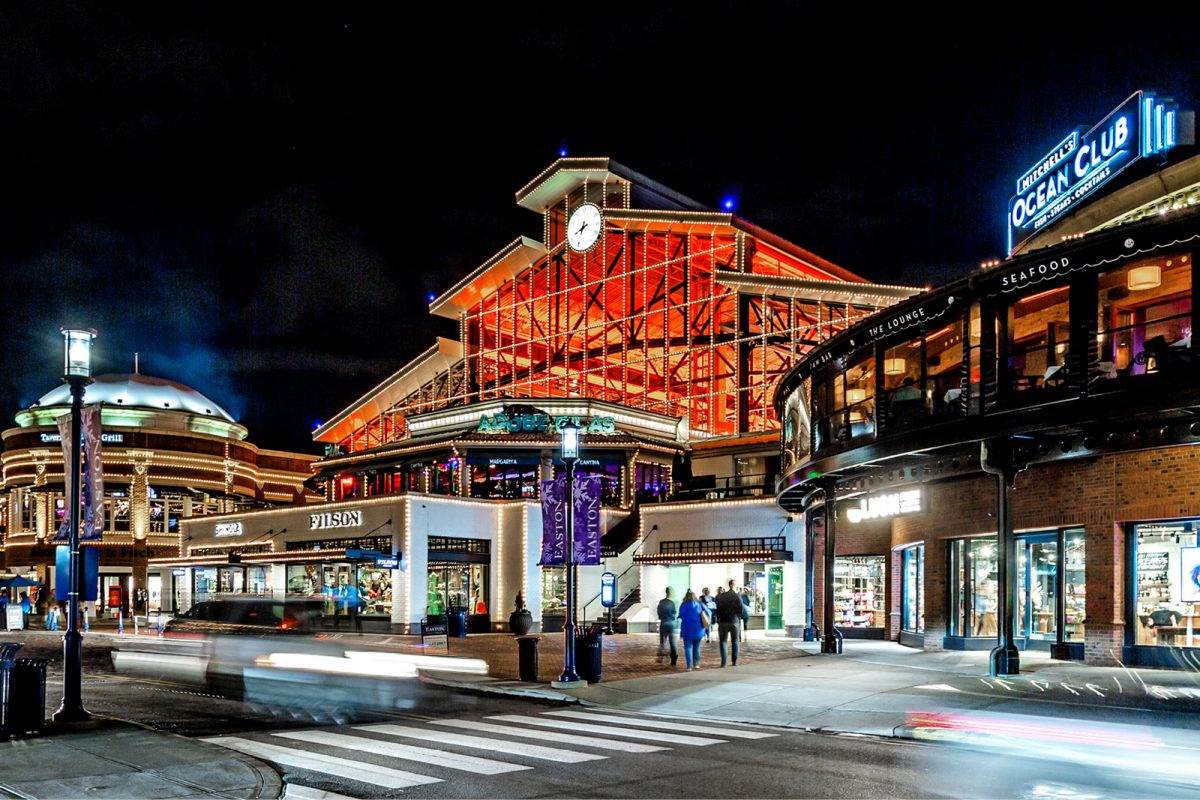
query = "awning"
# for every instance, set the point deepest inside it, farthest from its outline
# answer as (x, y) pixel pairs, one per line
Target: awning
(713, 557)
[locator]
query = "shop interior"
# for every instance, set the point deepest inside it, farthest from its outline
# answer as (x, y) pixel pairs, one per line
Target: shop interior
(1167, 584)
(859, 593)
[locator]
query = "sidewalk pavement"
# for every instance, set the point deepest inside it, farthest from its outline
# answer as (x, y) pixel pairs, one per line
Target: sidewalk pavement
(116, 759)
(884, 689)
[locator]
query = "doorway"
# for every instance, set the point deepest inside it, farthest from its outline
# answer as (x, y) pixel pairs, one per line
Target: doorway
(775, 597)
(679, 578)
(1037, 588)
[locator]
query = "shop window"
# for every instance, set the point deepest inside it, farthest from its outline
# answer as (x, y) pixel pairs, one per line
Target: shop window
(554, 588)
(205, 582)
(1038, 341)
(303, 579)
(503, 477)
(912, 589)
(1074, 584)
(858, 591)
(973, 595)
(1167, 593)
(375, 590)
(457, 586)
(652, 482)
(844, 403)
(1145, 317)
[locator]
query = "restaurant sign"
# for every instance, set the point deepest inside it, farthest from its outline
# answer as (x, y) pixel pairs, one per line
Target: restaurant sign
(1085, 161)
(543, 423)
(892, 504)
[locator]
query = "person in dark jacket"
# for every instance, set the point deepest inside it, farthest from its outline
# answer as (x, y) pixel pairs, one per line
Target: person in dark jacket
(710, 608)
(693, 622)
(668, 619)
(747, 603)
(729, 618)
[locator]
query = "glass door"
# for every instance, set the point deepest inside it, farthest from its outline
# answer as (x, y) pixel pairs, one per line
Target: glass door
(775, 597)
(679, 578)
(1037, 587)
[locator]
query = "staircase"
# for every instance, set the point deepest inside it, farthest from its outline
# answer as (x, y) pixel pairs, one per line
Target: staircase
(620, 608)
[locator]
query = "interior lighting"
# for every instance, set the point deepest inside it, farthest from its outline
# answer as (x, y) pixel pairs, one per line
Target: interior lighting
(855, 396)
(1147, 277)
(894, 366)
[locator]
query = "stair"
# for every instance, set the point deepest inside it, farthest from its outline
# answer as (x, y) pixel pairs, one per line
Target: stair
(630, 600)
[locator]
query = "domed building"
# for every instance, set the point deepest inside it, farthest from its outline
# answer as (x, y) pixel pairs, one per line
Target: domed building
(168, 453)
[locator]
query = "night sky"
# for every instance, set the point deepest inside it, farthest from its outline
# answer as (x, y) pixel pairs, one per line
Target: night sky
(258, 198)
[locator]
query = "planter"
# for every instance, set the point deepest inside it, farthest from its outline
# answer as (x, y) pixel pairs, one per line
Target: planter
(520, 622)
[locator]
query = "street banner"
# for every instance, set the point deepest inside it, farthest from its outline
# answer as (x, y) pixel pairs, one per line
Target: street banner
(554, 522)
(93, 476)
(587, 520)
(64, 436)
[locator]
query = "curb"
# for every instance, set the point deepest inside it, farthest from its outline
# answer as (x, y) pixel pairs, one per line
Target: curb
(527, 691)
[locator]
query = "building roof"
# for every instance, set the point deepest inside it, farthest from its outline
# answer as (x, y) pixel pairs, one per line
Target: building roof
(135, 390)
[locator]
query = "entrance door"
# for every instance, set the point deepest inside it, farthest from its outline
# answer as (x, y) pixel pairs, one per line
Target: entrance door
(679, 578)
(775, 597)
(1037, 587)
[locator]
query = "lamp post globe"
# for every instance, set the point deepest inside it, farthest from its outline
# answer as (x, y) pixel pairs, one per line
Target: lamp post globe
(569, 452)
(77, 371)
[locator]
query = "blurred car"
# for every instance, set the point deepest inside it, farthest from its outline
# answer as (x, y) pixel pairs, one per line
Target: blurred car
(246, 616)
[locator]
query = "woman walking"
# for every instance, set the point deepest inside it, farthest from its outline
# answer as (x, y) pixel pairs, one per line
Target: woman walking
(693, 622)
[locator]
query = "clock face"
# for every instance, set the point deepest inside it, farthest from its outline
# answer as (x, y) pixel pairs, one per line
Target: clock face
(583, 228)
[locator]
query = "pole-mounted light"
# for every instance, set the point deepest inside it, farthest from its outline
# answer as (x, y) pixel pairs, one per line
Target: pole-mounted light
(570, 440)
(77, 352)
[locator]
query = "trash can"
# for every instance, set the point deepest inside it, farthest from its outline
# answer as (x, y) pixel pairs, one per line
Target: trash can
(27, 703)
(458, 622)
(587, 653)
(527, 658)
(8, 662)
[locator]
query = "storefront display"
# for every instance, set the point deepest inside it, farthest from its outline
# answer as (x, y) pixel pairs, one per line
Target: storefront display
(858, 591)
(554, 591)
(1167, 591)
(912, 597)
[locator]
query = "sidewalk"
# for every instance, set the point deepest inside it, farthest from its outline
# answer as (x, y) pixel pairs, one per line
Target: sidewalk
(884, 689)
(120, 760)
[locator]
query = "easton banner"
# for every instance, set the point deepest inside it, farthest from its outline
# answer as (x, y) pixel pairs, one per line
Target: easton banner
(586, 550)
(91, 522)
(587, 520)
(554, 522)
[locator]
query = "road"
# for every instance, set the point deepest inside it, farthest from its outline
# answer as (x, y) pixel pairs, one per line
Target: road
(447, 744)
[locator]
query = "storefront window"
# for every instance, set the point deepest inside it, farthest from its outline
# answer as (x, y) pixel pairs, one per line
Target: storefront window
(1074, 584)
(258, 580)
(844, 402)
(975, 563)
(455, 586)
(513, 477)
(554, 588)
(205, 583)
(303, 579)
(1167, 597)
(375, 590)
(1038, 340)
(651, 482)
(858, 591)
(912, 600)
(1145, 317)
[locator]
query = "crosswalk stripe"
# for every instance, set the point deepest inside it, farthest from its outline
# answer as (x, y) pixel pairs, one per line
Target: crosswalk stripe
(564, 738)
(654, 736)
(330, 765)
(426, 755)
(641, 722)
(484, 743)
(298, 791)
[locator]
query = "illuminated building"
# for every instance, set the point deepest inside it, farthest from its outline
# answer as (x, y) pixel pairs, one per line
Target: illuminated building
(661, 326)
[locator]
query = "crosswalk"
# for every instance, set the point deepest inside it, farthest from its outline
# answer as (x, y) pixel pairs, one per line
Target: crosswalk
(383, 757)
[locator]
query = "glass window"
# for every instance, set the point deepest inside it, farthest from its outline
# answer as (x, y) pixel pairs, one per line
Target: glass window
(858, 591)
(975, 364)
(1074, 584)
(554, 588)
(944, 367)
(503, 477)
(1167, 598)
(902, 382)
(651, 480)
(973, 592)
(912, 599)
(303, 579)
(1145, 317)
(375, 589)
(205, 582)
(1038, 340)
(844, 402)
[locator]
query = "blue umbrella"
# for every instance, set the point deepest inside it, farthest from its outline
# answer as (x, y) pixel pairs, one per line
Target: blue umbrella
(18, 582)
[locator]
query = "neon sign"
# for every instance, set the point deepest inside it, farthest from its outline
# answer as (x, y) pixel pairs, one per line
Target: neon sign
(1084, 161)
(885, 505)
(543, 423)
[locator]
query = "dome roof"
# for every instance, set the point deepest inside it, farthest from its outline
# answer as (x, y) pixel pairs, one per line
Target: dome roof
(138, 391)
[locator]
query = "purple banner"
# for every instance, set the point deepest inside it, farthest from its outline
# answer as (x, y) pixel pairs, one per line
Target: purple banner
(554, 522)
(587, 520)
(64, 434)
(93, 477)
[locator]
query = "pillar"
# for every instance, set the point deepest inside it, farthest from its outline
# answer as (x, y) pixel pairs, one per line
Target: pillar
(996, 459)
(832, 641)
(139, 498)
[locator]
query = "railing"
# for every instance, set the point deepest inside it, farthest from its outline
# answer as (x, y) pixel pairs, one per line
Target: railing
(586, 612)
(710, 487)
(682, 546)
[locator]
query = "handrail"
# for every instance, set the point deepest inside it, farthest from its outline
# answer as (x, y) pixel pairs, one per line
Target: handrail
(622, 600)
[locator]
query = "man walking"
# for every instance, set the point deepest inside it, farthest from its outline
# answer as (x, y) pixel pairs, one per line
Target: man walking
(668, 617)
(729, 617)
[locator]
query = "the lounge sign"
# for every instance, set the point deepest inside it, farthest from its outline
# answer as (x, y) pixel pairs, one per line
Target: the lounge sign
(543, 423)
(1083, 162)
(335, 519)
(892, 504)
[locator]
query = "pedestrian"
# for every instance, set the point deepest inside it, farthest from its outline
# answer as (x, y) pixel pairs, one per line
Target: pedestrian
(26, 608)
(710, 606)
(693, 622)
(668, 618)
(729, 618)
(353, 599)
(747, 603)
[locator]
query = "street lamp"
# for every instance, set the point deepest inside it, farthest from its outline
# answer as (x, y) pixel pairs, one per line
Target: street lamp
(77, 371)
(570, 452)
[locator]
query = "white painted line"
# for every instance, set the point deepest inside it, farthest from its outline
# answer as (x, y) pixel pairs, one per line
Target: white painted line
(425, 755)
(483, 743)
(643, 722)
(662, 737)
(329, 765)
(565, 738)
(298, 791)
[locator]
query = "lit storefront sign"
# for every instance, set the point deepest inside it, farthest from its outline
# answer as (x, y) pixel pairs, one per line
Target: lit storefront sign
(885, 505)
(335, 519)
(222, 529)
(543, 423)
(106, 438)
(1083, 162)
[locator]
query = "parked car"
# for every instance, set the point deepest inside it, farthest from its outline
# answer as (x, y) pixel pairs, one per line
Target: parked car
(254, 616)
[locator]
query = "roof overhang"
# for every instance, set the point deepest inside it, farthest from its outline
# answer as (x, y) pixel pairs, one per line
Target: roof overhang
(439, 358)
(867, 294)
(513, 259)
(567, 174)
(714, 556)
(629, 420)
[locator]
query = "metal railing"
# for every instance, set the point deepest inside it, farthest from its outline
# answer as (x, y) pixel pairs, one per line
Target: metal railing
(709, 487)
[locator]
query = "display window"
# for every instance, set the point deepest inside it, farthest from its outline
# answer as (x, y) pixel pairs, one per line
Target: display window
(554, 590)
(1145, 317)
(1038, 340)
(205, 583)
(512, 477)
(1167, 584)
(912, 589)
(858, 591)
(375, 590)
(457, 586)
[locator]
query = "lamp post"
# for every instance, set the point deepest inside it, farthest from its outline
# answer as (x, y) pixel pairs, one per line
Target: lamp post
(570, 452)
(77, 371)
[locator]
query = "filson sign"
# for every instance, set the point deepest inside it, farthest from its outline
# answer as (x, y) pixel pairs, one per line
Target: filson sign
(1086, 160)
(335, 519)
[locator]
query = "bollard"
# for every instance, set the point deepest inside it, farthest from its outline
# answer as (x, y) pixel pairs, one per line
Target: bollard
(527, 658)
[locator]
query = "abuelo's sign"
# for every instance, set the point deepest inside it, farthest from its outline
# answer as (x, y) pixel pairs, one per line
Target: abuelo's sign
(335, 519)
(1084, 161)
(543, 423)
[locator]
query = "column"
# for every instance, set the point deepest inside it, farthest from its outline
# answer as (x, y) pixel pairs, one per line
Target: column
(996, 459)
(139, 497)
(832, 641)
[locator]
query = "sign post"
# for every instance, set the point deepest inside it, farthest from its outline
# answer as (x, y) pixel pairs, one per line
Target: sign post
(608, 597)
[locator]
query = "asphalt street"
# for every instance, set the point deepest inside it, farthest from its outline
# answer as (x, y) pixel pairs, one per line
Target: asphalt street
(441, 743)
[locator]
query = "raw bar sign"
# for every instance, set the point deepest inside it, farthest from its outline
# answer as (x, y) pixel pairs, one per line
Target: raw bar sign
(1083, 162)
(586, 548)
